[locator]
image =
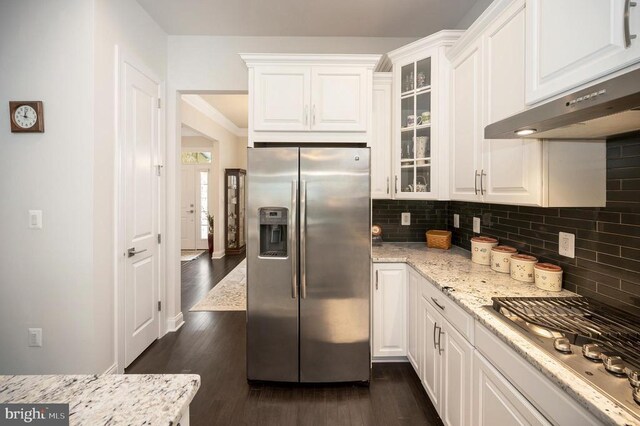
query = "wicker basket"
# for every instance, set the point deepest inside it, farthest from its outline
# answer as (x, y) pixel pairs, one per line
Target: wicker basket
(439, 239)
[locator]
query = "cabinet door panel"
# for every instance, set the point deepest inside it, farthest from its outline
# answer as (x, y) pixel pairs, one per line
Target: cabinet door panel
(496, 401)
(457, 358)
(466, 126)
(282, 98)
(431, 359)
(571, 42)
(389, 311)
(339, 99)
(512, 169)
(381, 138)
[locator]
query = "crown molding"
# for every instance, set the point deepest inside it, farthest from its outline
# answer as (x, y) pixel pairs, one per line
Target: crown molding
(253, 59)
(479, 25)
(441, 38)
(385, 64)
(209, 111)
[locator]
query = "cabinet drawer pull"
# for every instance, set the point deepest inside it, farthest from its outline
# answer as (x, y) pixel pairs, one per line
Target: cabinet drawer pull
(387, 185)
(482, 175)
(396, 184)
(440, 333)
(435, 325)
(437, 304)
(475, 181)
(628, 4)
(376, 280)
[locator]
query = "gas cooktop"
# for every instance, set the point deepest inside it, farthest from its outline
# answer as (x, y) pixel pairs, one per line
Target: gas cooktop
(598, 342)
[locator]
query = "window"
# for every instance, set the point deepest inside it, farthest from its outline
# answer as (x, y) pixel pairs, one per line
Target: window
(204, 204)
(196, 157)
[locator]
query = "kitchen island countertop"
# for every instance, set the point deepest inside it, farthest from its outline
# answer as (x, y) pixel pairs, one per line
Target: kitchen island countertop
(109, 399)
(473, 286)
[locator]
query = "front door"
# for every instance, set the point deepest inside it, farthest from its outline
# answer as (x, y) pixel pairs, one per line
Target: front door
(188, 208)
(141, 213)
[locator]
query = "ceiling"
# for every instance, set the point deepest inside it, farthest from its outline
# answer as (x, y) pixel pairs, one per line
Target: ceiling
(292, 18)
(233, 107)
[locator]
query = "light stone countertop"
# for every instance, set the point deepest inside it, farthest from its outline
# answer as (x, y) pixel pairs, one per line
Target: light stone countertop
(111, 399)
(474, 285)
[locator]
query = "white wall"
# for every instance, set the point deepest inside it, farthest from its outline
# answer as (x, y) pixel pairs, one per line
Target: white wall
(227, 150)
(125, 24)
(46, 276)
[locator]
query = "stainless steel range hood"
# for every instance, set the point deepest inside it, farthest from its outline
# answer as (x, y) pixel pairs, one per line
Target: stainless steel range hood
(597, 112)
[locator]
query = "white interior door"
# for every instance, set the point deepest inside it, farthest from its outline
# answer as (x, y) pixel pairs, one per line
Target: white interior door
(188, 208)
(141, 213)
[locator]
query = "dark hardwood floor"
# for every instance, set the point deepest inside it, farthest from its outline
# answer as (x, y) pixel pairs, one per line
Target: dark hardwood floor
(212, 344)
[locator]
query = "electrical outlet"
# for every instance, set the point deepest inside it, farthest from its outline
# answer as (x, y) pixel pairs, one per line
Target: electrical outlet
(35, 337)
(35, 219)
(456, 220)
(567, 244)
(406, 219)
(476, 225)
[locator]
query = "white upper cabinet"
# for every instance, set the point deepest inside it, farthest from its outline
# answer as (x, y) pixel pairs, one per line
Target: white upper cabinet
(571, 42)
(381, 136)
(281, 98)
(310, 98)
(420, 114)
(339, 99)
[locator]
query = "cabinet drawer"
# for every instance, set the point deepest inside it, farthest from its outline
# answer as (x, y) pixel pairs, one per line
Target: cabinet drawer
(462, 321)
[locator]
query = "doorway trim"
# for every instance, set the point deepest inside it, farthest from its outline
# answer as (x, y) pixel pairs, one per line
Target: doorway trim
(123, 57)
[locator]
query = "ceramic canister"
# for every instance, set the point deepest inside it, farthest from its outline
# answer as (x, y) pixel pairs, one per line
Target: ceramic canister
(548, 276)
(521, 266)
(481, 249)
(500, 256)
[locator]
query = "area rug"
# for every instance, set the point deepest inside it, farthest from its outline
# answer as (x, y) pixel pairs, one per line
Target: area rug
(187, 255)
(230, 294)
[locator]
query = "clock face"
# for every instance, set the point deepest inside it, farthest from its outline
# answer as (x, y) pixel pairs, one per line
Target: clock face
(25, 116)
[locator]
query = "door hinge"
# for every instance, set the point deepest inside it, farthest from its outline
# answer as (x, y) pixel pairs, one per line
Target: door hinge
(159, 238)
(159, 305)
(159, 169)
(159, 103)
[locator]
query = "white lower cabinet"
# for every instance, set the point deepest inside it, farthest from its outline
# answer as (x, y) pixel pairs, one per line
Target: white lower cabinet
(496, 401)
(431, 362)
(389, 310)
(413, 310)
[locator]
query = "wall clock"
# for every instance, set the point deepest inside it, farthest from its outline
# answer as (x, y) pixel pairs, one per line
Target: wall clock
(26, 117)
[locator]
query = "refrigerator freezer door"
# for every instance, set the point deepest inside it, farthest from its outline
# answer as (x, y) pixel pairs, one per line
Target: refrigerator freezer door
(272, 300)
(334, 264)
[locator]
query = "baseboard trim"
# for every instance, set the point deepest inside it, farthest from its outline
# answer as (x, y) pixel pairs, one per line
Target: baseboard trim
(390, 359)
(111, 370)
(174, 324)
(218, 254)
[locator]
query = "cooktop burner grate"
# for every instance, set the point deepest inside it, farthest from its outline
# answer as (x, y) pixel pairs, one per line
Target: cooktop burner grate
(580, 319)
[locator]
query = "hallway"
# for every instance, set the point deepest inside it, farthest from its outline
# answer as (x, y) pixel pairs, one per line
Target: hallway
(212, 344)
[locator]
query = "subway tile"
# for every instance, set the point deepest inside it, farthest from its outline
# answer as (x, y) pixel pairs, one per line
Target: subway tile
(597, 246)
(612, 228)
(570, 223)
(630, 150)
(628, 184)
(616, 184)
(620, 262)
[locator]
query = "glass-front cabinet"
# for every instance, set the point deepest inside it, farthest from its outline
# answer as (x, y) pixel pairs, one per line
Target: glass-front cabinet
(235, 238)
(419, 101)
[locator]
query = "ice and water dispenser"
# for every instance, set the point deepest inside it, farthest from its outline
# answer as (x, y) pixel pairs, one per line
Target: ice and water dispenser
(273, 231)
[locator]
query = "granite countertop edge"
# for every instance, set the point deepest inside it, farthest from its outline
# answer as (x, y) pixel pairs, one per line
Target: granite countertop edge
(155, 399)
(472, 291)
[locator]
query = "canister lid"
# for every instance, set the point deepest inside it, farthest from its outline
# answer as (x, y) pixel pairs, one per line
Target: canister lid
(524, 257)
(505, 249)
(484, 240)
(548, 267)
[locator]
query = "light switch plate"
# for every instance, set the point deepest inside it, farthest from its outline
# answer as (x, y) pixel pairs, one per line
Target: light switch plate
(406, 219)
(567, 244)
(35, 219)
(476, 225)
(456, 220)
(35, 337)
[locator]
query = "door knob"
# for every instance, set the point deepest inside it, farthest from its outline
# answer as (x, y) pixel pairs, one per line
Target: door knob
(132, 251)
(190, 211)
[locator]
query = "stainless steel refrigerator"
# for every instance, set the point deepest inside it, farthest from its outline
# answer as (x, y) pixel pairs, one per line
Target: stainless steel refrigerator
(308, 264)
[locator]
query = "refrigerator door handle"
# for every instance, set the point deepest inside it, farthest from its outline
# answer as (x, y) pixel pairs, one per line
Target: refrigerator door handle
(293, 248)
(303, 239)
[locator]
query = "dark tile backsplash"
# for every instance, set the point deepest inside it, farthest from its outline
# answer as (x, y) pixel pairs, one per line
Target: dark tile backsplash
(424, 215)
(607, 262)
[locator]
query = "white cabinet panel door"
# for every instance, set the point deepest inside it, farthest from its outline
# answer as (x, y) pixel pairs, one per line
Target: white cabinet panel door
(571, 42)
(496, 401)
(511, 169)
(431, 359)
(413, 308)
(466, 125)
(389, 310)
(457, 359)
(282, 98)
(381, 137)
(339, 99)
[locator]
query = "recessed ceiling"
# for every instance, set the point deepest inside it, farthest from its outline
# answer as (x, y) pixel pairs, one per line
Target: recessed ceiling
(233, 107)
(339, 18)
